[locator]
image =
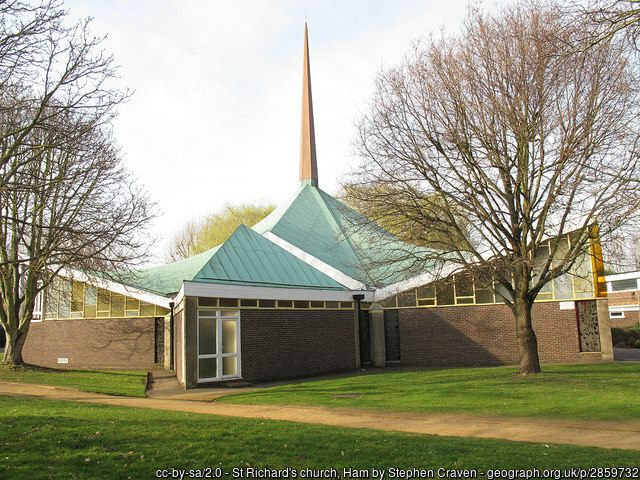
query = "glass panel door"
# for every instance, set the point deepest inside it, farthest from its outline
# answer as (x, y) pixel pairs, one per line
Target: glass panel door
(229, 347)
(218, 344)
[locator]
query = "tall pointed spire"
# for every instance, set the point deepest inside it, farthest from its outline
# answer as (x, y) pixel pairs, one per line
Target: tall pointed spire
(308, 163)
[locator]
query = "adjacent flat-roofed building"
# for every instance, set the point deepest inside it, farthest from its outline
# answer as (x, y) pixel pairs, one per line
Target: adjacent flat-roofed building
(624, 298)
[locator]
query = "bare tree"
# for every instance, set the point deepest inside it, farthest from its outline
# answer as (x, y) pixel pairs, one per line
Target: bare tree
(66, 209)
(611, 18)
(183, 243)
(619, 19)
(390, 209)
(522, 137)
(49, 70)
(623, 255)
(66, 201)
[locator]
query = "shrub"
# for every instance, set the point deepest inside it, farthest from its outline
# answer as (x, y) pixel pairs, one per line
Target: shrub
(618, 335)
(626, 336)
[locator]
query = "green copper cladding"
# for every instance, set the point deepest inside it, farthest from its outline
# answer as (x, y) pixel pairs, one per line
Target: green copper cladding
(327, 229)
(309, 181)
(246, 258)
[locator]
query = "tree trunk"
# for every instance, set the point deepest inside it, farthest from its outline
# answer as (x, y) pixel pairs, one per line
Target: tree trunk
(527, 340)
(13, 349)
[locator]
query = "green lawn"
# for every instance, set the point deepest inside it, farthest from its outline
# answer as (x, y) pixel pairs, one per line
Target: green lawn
(604, 391)
(130, 384)
(55, 439)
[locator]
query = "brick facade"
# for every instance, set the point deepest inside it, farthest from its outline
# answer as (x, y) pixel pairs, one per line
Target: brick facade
(630, 298)
(280, 344)
(114, 343)
(485, 335)
(629, 319)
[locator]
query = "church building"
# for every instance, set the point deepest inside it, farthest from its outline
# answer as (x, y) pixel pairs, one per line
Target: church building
(311, 289)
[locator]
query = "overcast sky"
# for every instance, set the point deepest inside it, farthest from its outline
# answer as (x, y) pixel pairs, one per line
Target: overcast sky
(215, 117)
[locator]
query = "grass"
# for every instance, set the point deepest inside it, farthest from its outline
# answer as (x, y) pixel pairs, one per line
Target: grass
(129, 384)
(602, 391)
(44, 439)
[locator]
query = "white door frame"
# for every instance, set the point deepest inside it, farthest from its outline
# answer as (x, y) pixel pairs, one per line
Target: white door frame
(217, 313)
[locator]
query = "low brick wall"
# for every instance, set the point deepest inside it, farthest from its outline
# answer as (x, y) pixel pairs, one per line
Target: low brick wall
(278, 344)
(114, 343)
(485, 335)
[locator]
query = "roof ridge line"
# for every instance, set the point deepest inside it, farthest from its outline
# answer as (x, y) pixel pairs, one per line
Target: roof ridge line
(315, 262)
(342, 231)
(279, 210)
(228, 264)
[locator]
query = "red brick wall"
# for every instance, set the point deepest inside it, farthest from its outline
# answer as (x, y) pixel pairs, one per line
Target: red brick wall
(623, 298)
(630, 318)
(484, 335)
(113, 343)
(295, 343)
(177, 340)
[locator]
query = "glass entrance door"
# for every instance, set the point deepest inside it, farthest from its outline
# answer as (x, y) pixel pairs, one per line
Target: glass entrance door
(218, 344)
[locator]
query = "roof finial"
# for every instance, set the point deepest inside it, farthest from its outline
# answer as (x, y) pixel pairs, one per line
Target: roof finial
(308, 163)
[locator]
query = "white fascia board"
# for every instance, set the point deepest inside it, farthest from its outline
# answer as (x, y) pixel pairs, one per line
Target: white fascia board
(178, 298)
(117, 288)
(328, 270)
(622, 276)
(201, 289)
(624, 308)
(413, 282)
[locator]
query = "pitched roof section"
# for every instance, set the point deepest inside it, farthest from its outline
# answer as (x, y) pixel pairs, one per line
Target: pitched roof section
(167, 279)
(246, 258)
(325, 228)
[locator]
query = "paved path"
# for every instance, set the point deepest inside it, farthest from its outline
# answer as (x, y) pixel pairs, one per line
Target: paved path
(626, 355)
(597, 433)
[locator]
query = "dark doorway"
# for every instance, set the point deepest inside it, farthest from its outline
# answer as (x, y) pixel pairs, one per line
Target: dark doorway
(365, 339)
(392, 335)
(159, 354)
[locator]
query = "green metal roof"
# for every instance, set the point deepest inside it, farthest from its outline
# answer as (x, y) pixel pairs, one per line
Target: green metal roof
(311, 220)
(246, 258)
(327, 229)
(167, 279)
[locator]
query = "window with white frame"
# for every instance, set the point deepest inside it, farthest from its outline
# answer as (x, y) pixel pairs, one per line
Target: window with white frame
(624, 284)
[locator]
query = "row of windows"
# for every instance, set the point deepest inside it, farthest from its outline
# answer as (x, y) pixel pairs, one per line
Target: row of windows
(253, 303)
(462, 290)
(71, 299)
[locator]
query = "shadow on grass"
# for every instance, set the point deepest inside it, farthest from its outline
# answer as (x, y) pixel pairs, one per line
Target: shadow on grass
(45, 439)
(28, 367)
